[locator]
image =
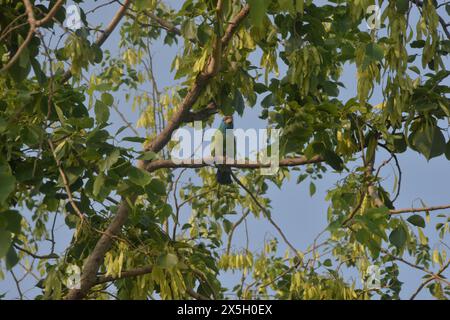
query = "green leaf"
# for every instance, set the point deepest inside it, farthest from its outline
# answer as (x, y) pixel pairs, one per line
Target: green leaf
(110, 160)
(417, 220)
(7, 186)
(134, 139)
(11, 220)
(330, 88)
(418, 44)
(327, 263)
(167, 261)
(429, 141)
(312, 189)
(400, 144)
(258, 9)
(142, 4)
(398, 237)
(11, 258)
(107, 99)
(239, 103)
(147, 156)
(101, 111)
(227, 225)
(287, 6)
(402, 6)
(5, 242)
(98, 183)
(165, 211)
(333, 160)
(158, 187)
(189, 30)
(374, 52)
(447, 150)
(139, 176)
(3, 125)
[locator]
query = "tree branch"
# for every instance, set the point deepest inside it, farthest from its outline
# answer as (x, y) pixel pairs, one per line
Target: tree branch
(166, 25)
(202, 115)
(95, 259)
(197, 88)
(425, 209)
(34, 25)
(191, 163)
(106, 33)
(267, 215)
(436, 276)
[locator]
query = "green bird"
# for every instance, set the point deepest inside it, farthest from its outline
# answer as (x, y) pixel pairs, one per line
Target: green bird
(223, 175)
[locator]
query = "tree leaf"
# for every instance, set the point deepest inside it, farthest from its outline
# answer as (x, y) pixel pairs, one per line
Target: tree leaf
(258, 9)
(147, 156)
(333, 160)
(402, 6)
(7, 185)
(134, 139)
(98, 183)
(11, 220)
(107, 99)
(189, 29)
(374, 52)
(227, 225)
(239, 103)
(158, 187)
(167, 261)
(110, 160)
(139, 176)
(11, 258)
(429, 141)
(398, 237)
(447, 150)
(5, 242)
(101, 111)
(417, 220)
(312, 189)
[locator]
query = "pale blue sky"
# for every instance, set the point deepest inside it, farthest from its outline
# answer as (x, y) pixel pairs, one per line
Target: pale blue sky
(300, 216)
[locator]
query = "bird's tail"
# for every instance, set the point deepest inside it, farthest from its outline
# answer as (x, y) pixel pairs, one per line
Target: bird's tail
(223, 175)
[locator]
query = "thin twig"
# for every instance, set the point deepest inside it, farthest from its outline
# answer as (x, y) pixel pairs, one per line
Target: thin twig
(267, 215)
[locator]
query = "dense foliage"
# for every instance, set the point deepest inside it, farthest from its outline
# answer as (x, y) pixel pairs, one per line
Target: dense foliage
(60, 157)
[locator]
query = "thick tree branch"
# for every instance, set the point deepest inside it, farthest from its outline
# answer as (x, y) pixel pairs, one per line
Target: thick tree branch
(95, 259)
(197, 88)
(125, 274)
(190, 163)
(202, 115)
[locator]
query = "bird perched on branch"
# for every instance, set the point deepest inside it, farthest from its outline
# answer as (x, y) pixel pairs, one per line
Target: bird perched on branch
(220, 149)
